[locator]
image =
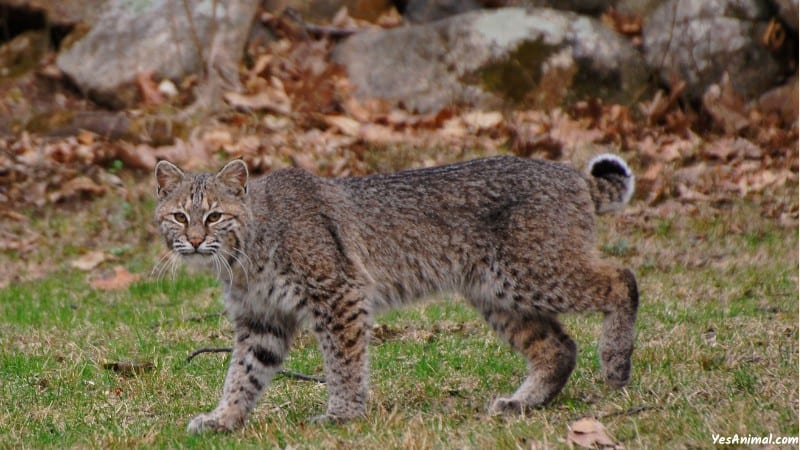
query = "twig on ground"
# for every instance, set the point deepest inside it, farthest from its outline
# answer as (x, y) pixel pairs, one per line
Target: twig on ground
(282, 372)
(319, 31)
(207, 350)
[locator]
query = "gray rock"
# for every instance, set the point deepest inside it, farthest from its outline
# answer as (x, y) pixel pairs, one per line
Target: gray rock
(540, 57)
(138, 36)
(699, 40)
(640, 8)
(422, 11)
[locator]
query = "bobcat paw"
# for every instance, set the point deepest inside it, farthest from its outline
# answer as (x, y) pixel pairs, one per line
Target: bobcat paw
(504, 406)
(211, 422)
(617, 375)
(510, 406)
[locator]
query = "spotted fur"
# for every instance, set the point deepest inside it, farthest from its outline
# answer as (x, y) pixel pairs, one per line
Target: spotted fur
(513, 236)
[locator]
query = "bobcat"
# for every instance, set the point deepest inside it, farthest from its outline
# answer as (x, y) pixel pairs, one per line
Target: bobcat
(514, 236)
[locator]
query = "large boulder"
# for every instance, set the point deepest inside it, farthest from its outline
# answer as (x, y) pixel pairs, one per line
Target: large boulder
(541, 57)
(420, 11)
(697, 41)
(153, 36)
(638, 8)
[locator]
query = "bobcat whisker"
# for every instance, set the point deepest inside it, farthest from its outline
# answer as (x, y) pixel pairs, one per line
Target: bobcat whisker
(219, 259)
(238, 261)
(167, 262)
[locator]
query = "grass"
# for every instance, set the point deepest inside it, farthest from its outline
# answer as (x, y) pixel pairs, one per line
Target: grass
(717, 348)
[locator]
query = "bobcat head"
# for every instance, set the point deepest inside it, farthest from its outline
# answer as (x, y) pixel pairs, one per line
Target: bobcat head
(203, 217)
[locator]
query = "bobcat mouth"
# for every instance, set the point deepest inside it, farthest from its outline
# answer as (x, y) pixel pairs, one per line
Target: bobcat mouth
(187, 249)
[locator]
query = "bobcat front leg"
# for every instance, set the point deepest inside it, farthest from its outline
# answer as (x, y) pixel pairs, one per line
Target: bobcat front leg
(343, 338)
(258, 353)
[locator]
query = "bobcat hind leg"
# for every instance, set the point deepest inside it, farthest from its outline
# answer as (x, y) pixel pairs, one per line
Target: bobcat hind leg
(616, 341)
(550, 356)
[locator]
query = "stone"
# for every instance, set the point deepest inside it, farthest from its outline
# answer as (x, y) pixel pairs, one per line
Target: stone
(538, 57)
(156, 36)
(698, 41)
(422, 11)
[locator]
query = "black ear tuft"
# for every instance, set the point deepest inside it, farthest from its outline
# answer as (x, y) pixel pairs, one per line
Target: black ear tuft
(168, 176)
(234, 175)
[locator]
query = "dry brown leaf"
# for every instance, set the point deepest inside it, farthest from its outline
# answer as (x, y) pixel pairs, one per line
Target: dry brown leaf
(390, 19)
(89, 260)
(15, 242)
(589, 433)
(725, 106)
(86, 137)
(190, 155)
(13, 215)
(304, 161)
(482, 120)
(758, 181)
(217, 138)
(345, 124)
(273, 100)
(75, 187)
(149, 88)
(726, 149)
(136, 156)
(119, 280)
(380, 134)
(571, 133)
(688, 194)
(628, 24)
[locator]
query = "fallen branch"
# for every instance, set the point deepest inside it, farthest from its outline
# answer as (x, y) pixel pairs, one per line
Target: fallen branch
(630, 411)
(319, 31)
(282, 372)
(207, 350)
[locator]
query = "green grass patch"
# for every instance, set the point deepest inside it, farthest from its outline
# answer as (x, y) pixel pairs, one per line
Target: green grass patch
(717, 350)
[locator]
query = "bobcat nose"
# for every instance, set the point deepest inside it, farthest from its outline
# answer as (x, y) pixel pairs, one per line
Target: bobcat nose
(195, 241)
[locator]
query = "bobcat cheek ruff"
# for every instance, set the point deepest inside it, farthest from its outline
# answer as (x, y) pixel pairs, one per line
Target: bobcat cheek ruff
(513, 236)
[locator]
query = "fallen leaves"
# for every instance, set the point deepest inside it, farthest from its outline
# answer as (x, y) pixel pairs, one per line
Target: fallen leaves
(726, 107)
(589, 433)
(76, 187)
(120, 279)
(272, 99)
(297, 108)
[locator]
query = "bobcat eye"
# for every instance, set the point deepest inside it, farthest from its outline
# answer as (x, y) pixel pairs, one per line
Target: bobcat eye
(181, 218)
(213, 217)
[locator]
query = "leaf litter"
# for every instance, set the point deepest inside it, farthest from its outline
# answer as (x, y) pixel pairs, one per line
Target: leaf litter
(297, 108)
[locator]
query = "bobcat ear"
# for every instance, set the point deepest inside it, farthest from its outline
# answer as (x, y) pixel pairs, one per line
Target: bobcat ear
(234, 175)
(168, 176)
